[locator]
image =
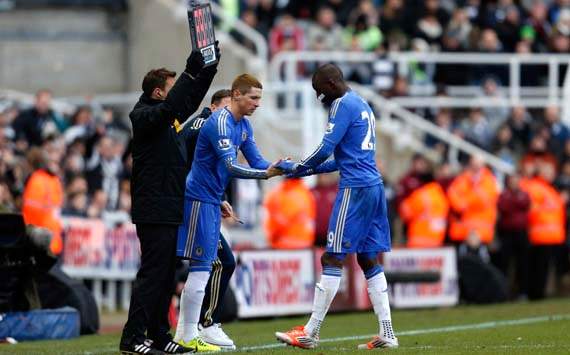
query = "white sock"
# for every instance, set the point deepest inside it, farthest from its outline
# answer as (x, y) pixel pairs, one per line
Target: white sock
(180, 326)
(378, 292)
(324, 294)
(192, 297)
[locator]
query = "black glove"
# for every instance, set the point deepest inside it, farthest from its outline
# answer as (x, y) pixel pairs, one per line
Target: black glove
(194, 63)
(217, 50)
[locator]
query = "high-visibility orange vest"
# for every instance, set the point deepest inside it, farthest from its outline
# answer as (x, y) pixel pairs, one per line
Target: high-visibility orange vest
(290, 221)
(473, 202)
(425, 213)
(42, 202)
(547, 215)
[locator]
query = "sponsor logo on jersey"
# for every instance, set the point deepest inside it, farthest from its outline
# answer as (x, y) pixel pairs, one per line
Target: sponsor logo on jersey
(243, 136)
(224, 143)
(330, 127)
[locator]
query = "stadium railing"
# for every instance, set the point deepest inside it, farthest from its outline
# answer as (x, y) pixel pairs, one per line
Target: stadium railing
(283, 67)
(393, 116)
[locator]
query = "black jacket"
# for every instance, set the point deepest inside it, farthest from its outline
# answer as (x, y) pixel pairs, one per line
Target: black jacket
(191, 131)
(159, 157)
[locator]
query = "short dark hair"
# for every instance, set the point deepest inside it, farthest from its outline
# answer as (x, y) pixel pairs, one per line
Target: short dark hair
(220, 95)
(156, 78)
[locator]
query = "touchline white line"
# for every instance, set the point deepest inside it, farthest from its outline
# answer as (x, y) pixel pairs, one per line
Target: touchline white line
(449, 329)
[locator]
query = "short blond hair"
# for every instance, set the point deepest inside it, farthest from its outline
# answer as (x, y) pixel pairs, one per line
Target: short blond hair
(244, 82)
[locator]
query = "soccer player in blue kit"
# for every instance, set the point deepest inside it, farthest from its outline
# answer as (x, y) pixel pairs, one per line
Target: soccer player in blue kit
(359, 222)
(215, 163)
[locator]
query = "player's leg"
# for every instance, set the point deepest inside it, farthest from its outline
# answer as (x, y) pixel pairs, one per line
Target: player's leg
(307, 336)
(340, 237)
(378, 240)
(222, 270)
(199, 244)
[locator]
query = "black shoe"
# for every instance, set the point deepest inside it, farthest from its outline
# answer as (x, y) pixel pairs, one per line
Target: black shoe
(139, 349)
(173, 347)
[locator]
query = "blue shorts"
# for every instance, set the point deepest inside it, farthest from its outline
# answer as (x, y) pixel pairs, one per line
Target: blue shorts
(199, 234)
(359, 221)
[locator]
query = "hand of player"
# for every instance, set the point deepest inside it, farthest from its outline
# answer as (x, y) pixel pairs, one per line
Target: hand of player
(228, 212)
(273, 170)
(287, 166)
(194, 63)
(227, 209)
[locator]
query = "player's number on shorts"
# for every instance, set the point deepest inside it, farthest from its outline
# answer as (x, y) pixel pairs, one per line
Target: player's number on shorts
(369, 142)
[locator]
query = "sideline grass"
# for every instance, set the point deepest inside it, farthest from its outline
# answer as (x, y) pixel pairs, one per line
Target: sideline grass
(543, 337)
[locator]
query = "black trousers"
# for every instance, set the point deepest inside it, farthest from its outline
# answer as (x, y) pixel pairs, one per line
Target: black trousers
(514, 245)
(153, 286)
(222, 270)
(540, 262)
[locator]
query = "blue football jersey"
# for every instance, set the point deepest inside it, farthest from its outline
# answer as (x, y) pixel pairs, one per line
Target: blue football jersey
(220, 137)
(351, 130)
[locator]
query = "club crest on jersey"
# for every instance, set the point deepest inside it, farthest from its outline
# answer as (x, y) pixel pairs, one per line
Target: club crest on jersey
(243, 136)
(199, 251)
(224, 143)
(330, 127)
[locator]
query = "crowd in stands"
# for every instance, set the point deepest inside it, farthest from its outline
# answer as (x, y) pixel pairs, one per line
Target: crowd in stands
(486, 26)
(87, 152)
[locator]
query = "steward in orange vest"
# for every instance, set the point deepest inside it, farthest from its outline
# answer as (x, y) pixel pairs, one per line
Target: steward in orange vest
(42, 202)
(473, 199)
(425, 213)
(547, 214)
(291, 210)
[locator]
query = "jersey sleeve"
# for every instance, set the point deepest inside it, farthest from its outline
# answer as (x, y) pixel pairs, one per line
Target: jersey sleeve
(251, 152)
(340, 118)
(219, 137)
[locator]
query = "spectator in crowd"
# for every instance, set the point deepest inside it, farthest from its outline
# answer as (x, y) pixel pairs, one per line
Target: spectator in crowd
(361, 36)
(324, 194)
(43, 194)
(424, 212)
(444, 121)
(519, 123)
(287, 35)
(6, 199)
(340, 7)
(491, 94)
(32, 126)
(325, 33)
(290, 222)
(76, 205)
(489, 43)
(104, 170)
(367, 9)
(473, 199)
(82, 125)
(250, 18)
(538, 155)
(412, 179)
(97, 205)
(538, 22)
(476, 128)
(458, 31)
(559, 132)
(514, 207)
(546, 226)
(503, 146)
(509, 27)
(392, 18)
(443, 174)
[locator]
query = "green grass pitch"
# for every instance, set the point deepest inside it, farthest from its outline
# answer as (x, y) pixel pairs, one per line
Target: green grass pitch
(519, 328)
